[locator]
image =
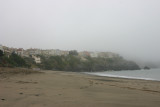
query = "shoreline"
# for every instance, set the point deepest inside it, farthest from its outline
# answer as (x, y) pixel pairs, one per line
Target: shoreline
(125, 77)
(151, 75)
(72, 89)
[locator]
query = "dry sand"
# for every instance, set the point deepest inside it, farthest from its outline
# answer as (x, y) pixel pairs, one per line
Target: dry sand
(68, 89)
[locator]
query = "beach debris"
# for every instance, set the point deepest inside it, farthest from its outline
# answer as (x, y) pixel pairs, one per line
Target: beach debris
(20, 93)
(36, 94)
(2, 99)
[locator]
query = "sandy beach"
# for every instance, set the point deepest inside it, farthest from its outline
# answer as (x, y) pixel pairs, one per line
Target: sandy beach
(69, 89)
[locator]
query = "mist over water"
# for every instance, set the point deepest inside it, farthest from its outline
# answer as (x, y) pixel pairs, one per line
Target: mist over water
(128, 27)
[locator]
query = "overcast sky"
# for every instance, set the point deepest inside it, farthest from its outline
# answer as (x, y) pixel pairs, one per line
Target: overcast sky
(128, 27)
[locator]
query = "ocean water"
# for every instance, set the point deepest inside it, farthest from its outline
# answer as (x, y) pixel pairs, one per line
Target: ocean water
(152, 74)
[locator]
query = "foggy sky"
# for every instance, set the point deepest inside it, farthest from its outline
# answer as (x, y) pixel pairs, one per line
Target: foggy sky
(128, 27)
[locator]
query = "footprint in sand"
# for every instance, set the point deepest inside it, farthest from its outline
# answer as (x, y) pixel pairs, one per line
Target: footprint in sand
(84, 87)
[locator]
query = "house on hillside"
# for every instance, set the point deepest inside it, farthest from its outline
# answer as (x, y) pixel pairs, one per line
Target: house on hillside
(54, 52)
(65, 53)
(94, 54)
(8, 51)
(36, 59)
(45, 52)
(33, 51)
(20, 51)
(84, 54)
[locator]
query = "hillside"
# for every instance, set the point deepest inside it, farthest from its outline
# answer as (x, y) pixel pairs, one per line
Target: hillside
(71, 62)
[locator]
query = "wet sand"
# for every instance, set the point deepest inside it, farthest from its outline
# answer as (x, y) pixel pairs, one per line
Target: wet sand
(69, 89)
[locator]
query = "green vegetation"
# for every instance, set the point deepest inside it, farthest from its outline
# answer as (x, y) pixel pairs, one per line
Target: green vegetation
(1, 53)
(71, 62)
(13, 60)
(75, 63)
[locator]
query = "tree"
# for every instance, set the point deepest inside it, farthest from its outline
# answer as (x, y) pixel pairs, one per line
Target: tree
(17, 60)
(74, 52)
(1, 53)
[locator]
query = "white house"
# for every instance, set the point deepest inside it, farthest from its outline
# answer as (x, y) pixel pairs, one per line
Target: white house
(36, 59)
(94, 54)
(33, 51)
(20, 51)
